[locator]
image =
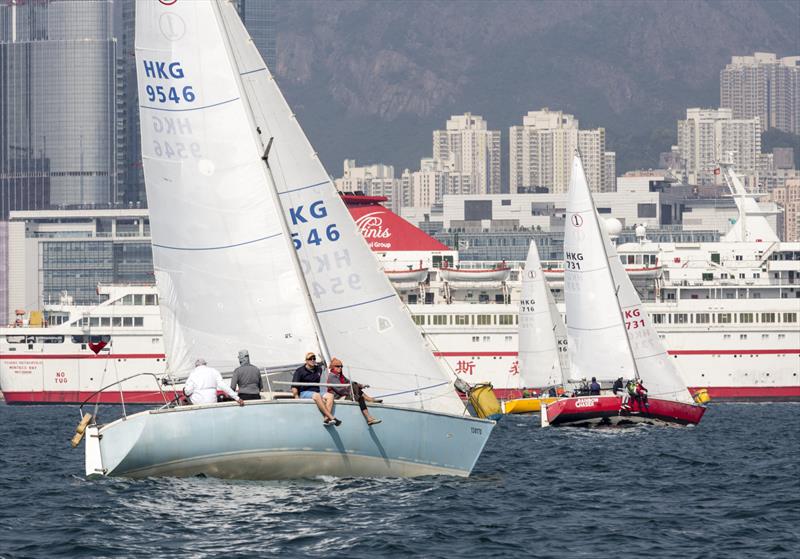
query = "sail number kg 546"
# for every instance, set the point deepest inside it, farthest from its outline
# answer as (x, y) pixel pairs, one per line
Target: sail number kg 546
(315, 236)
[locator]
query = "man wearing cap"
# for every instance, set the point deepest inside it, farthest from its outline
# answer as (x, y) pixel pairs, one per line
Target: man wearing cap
(311, 372)
(247, 377)
(354, 392)
(203, 382)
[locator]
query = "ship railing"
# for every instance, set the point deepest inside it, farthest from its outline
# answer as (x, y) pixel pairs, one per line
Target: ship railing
(160, 383)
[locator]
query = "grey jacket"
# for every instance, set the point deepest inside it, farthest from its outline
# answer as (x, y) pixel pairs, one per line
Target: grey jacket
(248, 377)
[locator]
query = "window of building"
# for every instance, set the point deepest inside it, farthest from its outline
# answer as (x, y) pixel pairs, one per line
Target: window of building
(604, 210)
(505, 202)
(476, 210)
(646, 210)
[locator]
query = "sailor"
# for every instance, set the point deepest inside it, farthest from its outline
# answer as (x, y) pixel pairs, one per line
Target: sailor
(641, 393)
(526, 393)
(630, 392)
(617, 387)
(354, 392)
(594, 388)
(311, 372)
(203, 382)
(247, 377)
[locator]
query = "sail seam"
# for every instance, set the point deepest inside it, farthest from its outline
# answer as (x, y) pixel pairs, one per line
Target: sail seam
(253, 71)
(304, 187)
(358, 304)
(593, 329)
(191, 108)
(218, 247)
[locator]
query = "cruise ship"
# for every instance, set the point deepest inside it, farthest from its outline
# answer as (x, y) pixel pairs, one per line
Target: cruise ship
(727, 312)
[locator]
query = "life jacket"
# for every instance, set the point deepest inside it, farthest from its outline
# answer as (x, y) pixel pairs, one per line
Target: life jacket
(631, 387)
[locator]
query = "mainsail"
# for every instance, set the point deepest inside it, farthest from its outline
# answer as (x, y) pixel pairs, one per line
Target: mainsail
(609, 330)
(290, 206)
(542, 336)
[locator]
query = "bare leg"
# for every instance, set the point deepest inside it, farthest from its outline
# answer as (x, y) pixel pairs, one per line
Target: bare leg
(321, 405)
(327, 399)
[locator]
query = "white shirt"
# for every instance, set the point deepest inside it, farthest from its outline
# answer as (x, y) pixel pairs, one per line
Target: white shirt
(203, 383)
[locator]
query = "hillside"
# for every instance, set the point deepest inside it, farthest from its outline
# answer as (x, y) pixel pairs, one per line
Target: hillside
(371, 80)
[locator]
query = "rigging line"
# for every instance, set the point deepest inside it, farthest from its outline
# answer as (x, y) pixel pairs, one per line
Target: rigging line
(415, 390)
(358, 304)
(315, 185)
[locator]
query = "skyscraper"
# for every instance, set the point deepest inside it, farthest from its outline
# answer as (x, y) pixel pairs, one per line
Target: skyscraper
(541, 150)
(763, 86)
(258, 17)
(58, 103)
(468, 147)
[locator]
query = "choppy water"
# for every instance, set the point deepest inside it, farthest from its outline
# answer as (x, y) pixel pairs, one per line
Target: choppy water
(728, 488)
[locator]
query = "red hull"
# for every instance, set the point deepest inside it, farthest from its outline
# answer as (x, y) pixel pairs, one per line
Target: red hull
(588, 410)
(77, 397)
(751, 393)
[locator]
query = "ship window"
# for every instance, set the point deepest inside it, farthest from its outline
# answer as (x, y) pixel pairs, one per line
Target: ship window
(150, 300)
(790, 317)
(419, 319)
(138, 299)
(94, 321)
(741, 276)
(461, 319)
(127, 321)
(484, 319)
(439, 319)
(50, 339)
(764, 336)
(781, 336)
(767, 317)
(116, 321)
(756, 275)
(742, 336)
(745, 317)
(724, 318)
(505, 319)
(646, 210)
(708, 276)
(85, 321)
(702, 318)
(487, 338)
(738, 257)
(138, 321)
(15, 339)
(726, 337)
(127, 300)
(658, 319)
(476, 339)
(681, 318)
(650, 260)
(715, 257)
(105, 321)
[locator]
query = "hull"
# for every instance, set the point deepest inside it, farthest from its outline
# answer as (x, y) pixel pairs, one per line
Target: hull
(284, 440)
(449, 274)
(526, 405)
(414, 276)
(605, 410)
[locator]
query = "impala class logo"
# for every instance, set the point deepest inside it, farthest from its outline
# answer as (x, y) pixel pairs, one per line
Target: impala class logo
(171, 25)
(577, 220)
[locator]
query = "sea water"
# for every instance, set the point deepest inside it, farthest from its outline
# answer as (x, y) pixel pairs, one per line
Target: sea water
(729, 487)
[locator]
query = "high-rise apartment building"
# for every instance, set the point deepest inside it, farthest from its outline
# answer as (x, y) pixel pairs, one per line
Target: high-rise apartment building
(467, 146)
(372, 180)
(58, 78)
(428, 186)
(763, 86)
(788, 197)
(541, 150)
(708, 136)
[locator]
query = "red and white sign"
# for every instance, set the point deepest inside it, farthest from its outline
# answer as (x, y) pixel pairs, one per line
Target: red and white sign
(386, 231)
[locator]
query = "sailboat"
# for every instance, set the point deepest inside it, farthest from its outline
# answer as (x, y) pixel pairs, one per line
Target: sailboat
(253, 248)
(543, 361)
(610, 334)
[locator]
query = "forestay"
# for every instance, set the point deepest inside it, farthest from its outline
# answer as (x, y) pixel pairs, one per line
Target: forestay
(223, 266)
(541, 342)
(362, 319)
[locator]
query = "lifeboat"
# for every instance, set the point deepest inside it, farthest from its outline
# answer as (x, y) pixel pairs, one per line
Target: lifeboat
(557, 274)
(501, 272)
(399, 276)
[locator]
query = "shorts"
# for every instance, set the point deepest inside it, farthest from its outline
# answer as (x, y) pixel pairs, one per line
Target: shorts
(308, 394)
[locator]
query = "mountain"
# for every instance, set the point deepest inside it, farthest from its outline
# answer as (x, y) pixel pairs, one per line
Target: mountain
(372, 80)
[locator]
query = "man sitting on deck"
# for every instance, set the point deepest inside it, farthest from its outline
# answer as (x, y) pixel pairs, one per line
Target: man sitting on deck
(203, 382)
(310, 372)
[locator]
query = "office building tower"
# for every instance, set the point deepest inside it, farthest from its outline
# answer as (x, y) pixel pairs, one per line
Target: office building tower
(57, 104)
(541, 150)
(708, 136)
(466, 146)
(258, 17)
(763, 86)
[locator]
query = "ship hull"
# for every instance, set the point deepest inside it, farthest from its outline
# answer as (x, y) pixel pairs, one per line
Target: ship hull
(266, 440)
(590, 411)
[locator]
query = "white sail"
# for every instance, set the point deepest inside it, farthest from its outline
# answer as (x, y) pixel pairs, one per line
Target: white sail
(542, 338)
(560, 332)
(632, 333)
(223, 266)
(361, 318)
(598, 346)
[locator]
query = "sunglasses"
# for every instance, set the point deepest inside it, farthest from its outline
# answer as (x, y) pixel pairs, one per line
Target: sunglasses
(337, 366)
(311, 359)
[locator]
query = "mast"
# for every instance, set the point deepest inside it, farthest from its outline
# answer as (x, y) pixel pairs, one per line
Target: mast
(274, 194)
(604, 238)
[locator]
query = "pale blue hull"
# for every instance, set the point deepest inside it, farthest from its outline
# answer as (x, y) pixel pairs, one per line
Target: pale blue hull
(285, 439)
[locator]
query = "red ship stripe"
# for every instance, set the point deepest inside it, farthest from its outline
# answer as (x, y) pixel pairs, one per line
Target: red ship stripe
(13, 356)
(672, 352)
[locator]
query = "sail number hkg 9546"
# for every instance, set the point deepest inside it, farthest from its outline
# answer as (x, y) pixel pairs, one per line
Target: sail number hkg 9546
(159, 70)
(316, 210)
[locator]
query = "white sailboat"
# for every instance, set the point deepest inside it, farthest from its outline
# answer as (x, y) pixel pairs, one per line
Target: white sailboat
(253, 248)
(543, 361)
(610, 334)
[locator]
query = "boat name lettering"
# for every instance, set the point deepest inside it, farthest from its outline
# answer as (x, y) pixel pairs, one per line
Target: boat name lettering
(585, 402)
(371, 227)
(158, 70)
(61, 377)
(476, 430)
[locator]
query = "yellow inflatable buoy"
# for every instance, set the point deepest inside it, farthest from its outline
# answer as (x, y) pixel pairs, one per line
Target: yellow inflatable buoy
(701, 396)
(484, 401)
(81, 429)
